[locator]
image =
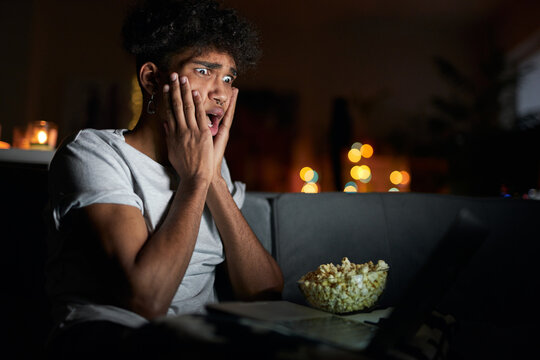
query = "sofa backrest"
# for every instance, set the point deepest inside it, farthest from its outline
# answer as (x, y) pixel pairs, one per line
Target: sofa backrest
(257, 211)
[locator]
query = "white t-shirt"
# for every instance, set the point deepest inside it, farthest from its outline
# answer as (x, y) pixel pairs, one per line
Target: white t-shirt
(98, 166)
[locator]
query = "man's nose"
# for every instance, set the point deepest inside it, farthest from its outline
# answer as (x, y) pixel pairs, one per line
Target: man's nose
(218, 93)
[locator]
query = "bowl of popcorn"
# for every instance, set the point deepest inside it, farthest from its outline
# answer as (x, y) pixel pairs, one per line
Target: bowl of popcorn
(346, 287)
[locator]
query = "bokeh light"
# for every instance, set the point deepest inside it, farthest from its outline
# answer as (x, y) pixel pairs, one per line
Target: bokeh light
(309, 175)
(351, 187)
(368, 179)
(357, 145)
(304, 171)
(310, 188)
(355, 172)
(313, 178)
(354, 155)
(393, 189)
(360, 172)
(396, 177)
(406, 178)
(367, 151)
(364, 172)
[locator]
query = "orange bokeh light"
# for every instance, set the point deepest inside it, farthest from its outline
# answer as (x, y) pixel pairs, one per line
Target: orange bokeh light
(406, 178)
(367, 151)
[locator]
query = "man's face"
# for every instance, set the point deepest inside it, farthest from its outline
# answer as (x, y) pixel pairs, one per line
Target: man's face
(212, 74)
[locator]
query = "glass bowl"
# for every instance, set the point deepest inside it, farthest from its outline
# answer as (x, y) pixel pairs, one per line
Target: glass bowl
(344, 288)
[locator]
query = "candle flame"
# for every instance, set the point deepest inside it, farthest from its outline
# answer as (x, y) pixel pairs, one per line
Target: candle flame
(42, 137)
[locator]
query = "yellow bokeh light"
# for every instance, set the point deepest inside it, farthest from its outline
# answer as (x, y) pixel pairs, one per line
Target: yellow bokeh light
(360, 172)
(354, 155)
(350, 189)
(367, 151)
(308, 176)
(310, 188)
(304, 171)
(364, 172)
(396, 177)
(406, 178)
(355, 172)
(42, 137)
(351, 183)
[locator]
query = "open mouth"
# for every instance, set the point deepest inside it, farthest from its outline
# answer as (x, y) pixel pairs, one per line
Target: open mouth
(214, 117)
(212, 120)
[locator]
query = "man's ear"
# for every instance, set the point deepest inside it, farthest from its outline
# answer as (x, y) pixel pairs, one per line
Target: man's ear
(149, 77)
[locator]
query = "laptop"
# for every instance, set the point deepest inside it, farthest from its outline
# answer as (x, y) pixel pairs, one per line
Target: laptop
(459, 243)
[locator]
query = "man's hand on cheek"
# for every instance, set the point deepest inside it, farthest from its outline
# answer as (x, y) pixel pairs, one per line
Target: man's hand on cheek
(188, 138)
(222, 137)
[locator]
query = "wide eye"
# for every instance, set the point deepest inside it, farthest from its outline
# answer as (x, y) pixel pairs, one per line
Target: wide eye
(202, 71)
(228, 79)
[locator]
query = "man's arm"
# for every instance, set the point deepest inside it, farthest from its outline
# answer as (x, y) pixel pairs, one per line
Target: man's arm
(253, 273)
(150, 267)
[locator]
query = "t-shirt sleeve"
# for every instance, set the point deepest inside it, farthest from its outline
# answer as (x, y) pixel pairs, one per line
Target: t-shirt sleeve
(87, 171)
(236, 188)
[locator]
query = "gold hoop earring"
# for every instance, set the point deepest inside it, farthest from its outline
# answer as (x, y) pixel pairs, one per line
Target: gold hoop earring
(151, 106)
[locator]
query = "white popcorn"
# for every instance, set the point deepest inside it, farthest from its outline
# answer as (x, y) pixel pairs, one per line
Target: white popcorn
(346, 287)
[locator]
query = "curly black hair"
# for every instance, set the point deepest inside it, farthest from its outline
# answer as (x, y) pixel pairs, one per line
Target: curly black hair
(156, 29)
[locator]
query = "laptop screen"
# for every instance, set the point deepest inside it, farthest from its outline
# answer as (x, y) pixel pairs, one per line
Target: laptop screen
(458, 245)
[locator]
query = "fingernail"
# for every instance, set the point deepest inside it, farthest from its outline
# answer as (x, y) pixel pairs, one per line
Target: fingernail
(195, 93)
(174, 76)
(183, 79)
(166, 88)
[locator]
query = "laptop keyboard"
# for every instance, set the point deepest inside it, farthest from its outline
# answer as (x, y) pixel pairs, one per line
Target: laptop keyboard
(334, 330)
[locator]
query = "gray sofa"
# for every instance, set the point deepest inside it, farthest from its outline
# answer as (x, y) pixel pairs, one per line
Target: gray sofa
(492, 300)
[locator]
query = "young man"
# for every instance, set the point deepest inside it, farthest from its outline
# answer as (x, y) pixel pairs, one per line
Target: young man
(142, 218)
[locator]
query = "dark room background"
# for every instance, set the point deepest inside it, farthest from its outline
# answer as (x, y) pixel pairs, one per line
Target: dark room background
(447, 93)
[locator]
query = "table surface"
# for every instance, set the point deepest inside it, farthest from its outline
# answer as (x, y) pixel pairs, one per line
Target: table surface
(242, 337)
(23, 156)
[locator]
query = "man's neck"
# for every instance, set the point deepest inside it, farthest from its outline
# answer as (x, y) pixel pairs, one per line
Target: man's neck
(148, 139)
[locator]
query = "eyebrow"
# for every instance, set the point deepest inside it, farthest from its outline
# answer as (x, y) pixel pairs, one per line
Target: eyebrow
(211, 65)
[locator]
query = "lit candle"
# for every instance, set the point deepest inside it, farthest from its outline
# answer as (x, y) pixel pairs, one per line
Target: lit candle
(43, 135)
